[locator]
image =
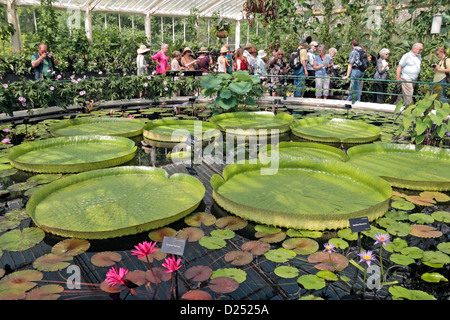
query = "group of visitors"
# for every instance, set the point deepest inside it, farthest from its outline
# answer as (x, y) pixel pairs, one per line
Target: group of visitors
(311, 67)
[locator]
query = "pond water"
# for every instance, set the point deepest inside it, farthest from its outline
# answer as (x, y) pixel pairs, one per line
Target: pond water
(276, 276)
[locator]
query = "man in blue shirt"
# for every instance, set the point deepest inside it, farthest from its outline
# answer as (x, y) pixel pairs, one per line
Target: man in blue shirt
(43, 63)
(354, 72)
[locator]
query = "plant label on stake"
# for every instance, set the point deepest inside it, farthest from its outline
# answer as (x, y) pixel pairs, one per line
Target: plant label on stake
(173, 245)
(359, 225)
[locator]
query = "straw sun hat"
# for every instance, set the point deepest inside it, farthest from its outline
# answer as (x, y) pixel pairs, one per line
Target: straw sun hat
(185, 50)
(142, 49)
(223, 50)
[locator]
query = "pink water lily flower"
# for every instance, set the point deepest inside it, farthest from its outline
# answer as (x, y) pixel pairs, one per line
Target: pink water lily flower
(6, 141)
(329, 247)
(171, 264)
(115, 276)
(144, 249)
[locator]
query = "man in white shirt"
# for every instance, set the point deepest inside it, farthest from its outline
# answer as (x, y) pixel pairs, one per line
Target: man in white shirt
(408, 69)
(310, 82)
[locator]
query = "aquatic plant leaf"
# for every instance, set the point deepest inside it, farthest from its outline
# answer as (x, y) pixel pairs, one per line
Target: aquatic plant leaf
(223, 284)
(237, 274)
(71, 247)
(327, 275)
(435, 257)
(311, 282)
(424, 231)
(403, 205)
(231, 223)
(210, 242)
(396, 245)
(72, 154)
(238, 258)
(158, 255)
(137, 277)
(286, 272)
(412, 252)
(421, 201)
(177, 131)
(443, 247)
(400, 229)
(301, 246)
(159, 234)
(328, 261)
(292, 196)
(421, 218)
(339, 243)
(52, 262)
(114, 202)
(280, 255)
(21, 280)
(223, 233)
(12, 294)
(45, 292)
(335, 130)
(159, 274)
(267, 229)
(441, 216)
(310, 297)
(191, 234)
(401, 259)
(104, 286)
(256, 248)
(271, 238)
(438, 196)
(433, 277)
(105, 258)
(397, 215)
(20, 240)
(387, 160)
(347, 234)
(400, 293)
(196, 219)
(196, 294)
(44, 178)
(198, 273)
(21, 186)
(303, 233)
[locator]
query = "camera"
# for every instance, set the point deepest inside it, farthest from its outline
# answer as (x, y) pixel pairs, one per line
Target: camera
(433, 65)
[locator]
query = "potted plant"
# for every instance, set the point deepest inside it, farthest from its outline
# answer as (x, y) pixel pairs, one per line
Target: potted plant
(222, 29)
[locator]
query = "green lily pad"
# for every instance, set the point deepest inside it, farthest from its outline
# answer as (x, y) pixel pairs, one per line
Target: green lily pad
(339, 243)
(286, 272)
(280, 255)
(267, 229)
(421, 218)
(400, 229)
(403, 205)
(311, 282)
(223, 233)
(303, 233)
(21, 280)
(435, 257)
(212, 242)
(71, 247)
(444, 247)
(434, 277)
(441, 216)
(52, 262)
(401, 259)
(327, 275)
(396, 245)
(20, 240)
(198, 218)
(347, 234)
(400, 293)
(397, 215)
(236, 274)
(44, 178)
(301, 246)
(412, 252)
(45, 292)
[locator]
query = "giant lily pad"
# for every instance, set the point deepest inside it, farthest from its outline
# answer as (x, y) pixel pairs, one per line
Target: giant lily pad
(302, 149)
(253, 123)
(124, 127)
(114, 202)
(301, 193)
(177, 131)
(415, 167)
(72, 154)
(335, 130)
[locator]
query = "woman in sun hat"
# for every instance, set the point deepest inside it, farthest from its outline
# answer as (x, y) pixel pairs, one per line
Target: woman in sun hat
(187, 60)
(222, 60)
(162, 60)
(204, 61)
(141, 64)
(260, 64)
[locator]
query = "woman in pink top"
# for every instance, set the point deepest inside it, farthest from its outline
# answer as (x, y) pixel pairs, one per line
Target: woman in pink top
(162, 60)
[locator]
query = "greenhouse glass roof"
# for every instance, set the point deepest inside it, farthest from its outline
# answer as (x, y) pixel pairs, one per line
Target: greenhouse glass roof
(230, 9)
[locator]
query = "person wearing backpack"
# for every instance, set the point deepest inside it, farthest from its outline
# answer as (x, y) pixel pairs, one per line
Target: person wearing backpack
(297, 62)
(357, 66)
(442, 71)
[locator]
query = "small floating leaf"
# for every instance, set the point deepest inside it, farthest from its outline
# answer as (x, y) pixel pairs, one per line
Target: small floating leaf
(400, 293)
(239, 258)
(20, 240)
(328, 261)
(52, 262)
(267, 229)
(443, 247)
(433, 277)
(212, 242)
(327, 275)
(301, 246)
(401, 259)
(196, 295)
(223, 233)
(231, 223)
(21, 280)
(223, 284)
(280, 255)
(105, 258)
(339, 243)
(441, 216)
(256, 247)
(271, 238)
(236, 274)
(198, 273)
(286, 272)
(424, 231)
(45, 292)
(159, 234)
(311, 282)
(191, 234)
(197, 218)
(412, 252)
(435, 257)
(402, 205)
(71, 247)
(421, 218)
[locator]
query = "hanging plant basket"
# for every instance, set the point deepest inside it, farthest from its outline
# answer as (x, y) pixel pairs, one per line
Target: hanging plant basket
(222, 34)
